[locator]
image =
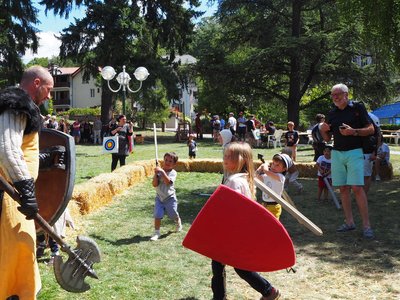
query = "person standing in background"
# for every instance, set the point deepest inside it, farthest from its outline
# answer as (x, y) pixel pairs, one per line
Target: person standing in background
(347, 123)
(122, 130)
(232, 123)
(97, 126)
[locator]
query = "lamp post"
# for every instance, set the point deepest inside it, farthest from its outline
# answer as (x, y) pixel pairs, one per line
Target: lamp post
(123, 78)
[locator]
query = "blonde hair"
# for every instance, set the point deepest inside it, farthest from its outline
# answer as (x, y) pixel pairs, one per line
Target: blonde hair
(242, 155)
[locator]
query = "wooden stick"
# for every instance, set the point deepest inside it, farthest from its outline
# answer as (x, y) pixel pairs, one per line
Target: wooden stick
(289, 208)
(287, 198)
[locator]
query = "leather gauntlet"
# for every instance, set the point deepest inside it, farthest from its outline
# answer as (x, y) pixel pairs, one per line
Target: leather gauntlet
(26, 189)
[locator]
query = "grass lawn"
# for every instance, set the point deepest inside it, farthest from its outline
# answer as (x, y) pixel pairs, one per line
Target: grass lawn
(332, 266)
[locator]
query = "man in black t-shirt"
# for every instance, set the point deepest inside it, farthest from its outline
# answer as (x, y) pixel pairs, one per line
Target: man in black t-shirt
(348, 122)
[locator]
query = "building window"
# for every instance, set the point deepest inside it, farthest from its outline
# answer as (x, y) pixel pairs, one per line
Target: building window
(92, 93)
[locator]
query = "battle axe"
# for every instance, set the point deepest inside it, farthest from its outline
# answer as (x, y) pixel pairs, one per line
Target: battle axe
(70, 275)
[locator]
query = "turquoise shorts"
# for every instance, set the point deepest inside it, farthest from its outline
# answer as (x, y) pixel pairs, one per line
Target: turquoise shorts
(347, 167)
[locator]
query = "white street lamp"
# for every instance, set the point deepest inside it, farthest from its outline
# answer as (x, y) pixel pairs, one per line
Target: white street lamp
(123, 78)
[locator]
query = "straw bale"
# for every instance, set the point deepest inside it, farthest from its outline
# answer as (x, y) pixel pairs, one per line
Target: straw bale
(183, 165)
(91, 195)
(132, 172)
(74, 210)
(115, 181)
(307, 170)
(206, 165)
(386, 172)
(148, 166)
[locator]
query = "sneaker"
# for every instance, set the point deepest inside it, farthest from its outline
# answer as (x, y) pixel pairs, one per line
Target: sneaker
(344, 228)
(155, 236)
(39, 252)
(54, 253)
(368, 233)
(377, 178)
(274, 294)
(178, 227)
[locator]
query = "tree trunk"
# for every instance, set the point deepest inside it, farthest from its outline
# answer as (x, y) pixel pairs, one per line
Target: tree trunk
(106, 105)
(293, 104)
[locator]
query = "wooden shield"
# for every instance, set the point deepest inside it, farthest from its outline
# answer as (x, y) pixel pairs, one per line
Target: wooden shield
(54, 186)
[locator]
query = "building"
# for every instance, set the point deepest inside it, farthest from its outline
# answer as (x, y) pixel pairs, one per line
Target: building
(71, 90)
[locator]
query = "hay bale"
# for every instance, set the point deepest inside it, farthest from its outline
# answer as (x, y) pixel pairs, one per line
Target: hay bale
(132, 172)
(205, 165)
(183, 165)
(91, 195)
(115, 181)
(307, 170)
(148, 166)
(385, 172)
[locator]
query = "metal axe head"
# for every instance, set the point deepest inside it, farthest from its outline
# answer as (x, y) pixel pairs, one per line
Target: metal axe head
(71, 274)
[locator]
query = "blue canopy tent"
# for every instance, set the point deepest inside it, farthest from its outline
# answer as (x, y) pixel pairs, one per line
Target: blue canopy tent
(388, 114)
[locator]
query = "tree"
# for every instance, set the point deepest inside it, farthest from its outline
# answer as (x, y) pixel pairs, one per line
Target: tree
(130, 33)
(17, 34)
(268, 51)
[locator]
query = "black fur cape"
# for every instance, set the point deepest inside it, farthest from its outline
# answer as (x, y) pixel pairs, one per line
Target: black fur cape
(18, 100)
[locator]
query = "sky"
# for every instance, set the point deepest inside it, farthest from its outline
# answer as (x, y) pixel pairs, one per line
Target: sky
(51, 25)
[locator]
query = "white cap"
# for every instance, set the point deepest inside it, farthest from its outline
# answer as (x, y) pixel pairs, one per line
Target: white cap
(286, 159)
(375, 119)
(226, 136)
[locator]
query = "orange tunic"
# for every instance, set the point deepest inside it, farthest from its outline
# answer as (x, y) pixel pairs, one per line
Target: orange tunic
(19, 272)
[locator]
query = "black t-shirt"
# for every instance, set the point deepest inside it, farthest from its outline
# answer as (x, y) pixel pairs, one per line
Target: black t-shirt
(354, 115)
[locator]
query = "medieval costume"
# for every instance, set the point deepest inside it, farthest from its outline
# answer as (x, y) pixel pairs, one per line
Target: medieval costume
(19, 163)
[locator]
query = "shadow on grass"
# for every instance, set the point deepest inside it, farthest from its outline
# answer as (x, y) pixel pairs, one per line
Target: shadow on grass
(128, 241)
(370, 258)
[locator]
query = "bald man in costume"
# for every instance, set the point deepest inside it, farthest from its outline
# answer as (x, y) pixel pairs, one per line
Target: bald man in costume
(20, 122)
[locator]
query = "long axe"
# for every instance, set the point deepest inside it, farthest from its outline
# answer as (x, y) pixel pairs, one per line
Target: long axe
(71, 274)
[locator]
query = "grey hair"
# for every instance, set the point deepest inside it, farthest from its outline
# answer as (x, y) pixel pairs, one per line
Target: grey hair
(340, 86)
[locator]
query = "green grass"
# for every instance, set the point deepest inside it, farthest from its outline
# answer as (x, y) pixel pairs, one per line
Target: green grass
(333, 266)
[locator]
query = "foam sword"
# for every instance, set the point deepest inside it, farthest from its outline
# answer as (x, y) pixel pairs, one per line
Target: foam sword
(155, 141)
(71, 274)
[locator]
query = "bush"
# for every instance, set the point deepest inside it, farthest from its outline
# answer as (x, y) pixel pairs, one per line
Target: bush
(74, 112)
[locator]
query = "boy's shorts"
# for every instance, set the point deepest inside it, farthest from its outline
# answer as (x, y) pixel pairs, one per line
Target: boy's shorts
(368, 164)
(170, 206)
(348, 167)
(321, 182)
(274, 208)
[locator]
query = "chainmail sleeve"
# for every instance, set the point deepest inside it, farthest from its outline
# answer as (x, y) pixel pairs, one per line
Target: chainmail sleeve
(12, 163)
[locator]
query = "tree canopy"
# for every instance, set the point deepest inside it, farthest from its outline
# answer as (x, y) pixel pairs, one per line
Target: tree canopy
(131, 33)
(288, 53)
(17, 35)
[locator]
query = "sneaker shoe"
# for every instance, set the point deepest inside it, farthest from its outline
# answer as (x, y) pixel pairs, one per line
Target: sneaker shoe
(155, 236)
(178, 227)
(368, 233)
(344, 228)
(55, 253)
(377, 178)
(273, 295)
(39, 252)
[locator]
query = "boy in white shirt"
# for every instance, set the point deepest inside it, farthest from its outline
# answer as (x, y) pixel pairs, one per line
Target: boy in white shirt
(273, 175)
(324, 170)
